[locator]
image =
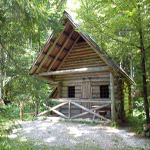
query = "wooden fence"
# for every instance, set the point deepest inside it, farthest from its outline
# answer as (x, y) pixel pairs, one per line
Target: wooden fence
(74, 101)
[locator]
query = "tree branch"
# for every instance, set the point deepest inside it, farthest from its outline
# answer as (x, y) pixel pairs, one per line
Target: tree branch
(131, 44)
(14, 62)
(147, 47)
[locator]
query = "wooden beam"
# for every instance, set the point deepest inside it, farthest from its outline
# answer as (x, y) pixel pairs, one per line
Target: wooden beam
(50, 50)
(66, 34)
(75, 81)
(58, 54)
(68, 53)
(60, 114)
(44, 67)
(112, 96)
(58, 46)
(57, 106)
(51, 57)
(71, 71)
(91, 112)
(52, 109)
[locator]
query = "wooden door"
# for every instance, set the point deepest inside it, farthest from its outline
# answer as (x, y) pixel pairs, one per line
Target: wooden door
(87, 92)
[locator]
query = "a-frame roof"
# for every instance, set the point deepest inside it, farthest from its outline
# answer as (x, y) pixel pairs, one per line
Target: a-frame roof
(57, 47)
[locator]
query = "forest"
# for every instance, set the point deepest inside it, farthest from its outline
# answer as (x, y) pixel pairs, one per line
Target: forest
(120, 27)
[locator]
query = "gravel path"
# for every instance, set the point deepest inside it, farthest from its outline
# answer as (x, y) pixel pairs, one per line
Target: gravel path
(58, 134)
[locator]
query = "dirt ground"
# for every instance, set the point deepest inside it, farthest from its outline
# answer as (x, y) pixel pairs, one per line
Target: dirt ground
(68, 135)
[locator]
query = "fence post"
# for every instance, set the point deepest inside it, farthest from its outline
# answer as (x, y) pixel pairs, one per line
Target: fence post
(21, 110)
(36, 108)
(69, 112)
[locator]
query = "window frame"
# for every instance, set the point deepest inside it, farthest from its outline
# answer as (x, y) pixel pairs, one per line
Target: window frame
(71, 91)
(106, 92)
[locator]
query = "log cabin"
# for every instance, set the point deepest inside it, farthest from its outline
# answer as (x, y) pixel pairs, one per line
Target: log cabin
(85, 81)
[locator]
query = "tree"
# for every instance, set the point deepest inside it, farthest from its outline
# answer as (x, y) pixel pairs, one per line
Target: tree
(122, 29)
(25, 27)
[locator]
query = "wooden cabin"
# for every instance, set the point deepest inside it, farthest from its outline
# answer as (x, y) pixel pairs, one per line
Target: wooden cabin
(85, 81)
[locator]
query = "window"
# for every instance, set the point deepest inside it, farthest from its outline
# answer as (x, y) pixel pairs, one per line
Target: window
(71, 91)
(104, 91)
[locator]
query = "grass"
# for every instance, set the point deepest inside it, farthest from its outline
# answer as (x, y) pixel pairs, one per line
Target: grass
(84, 122)
(18, 144)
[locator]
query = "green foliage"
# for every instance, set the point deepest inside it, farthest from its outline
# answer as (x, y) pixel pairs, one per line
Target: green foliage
(30, 145)
(114, 124)
(23, 145)
(7, 122)
(116, 27)
(136, 124)
(148, 134)
(25, 28)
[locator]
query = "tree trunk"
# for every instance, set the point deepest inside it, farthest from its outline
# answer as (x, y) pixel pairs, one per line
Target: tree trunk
(36, 108)
(21, 110)
(1, 78)
(146, 105)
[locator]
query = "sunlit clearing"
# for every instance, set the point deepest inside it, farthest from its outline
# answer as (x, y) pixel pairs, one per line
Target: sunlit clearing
(28, 129)
(131, 134)
(112, 130)
(23, 139)
(51, 139)
(44, 124)
(12, 136)
(55, 119)
(76, 132)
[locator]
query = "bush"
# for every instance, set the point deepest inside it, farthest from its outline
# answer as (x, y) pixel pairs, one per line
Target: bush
(136, 122)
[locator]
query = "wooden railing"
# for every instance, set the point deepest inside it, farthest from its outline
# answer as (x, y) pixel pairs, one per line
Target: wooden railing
(83, 100)
(75, 101)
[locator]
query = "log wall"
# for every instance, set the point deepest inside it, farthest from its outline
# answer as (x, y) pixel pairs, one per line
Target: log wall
(82, 56)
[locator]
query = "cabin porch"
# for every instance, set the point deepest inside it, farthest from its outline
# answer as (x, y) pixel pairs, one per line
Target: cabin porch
(84, 105)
